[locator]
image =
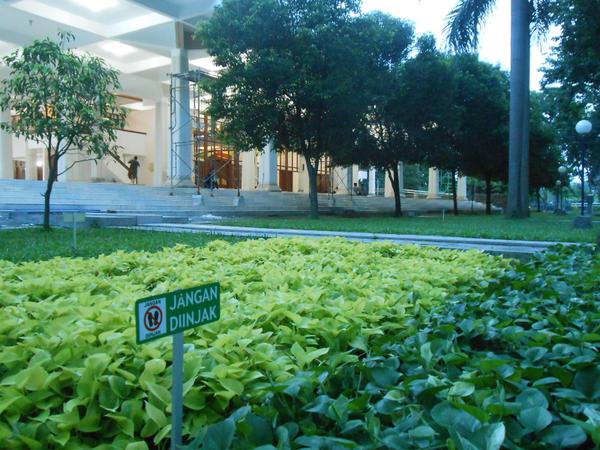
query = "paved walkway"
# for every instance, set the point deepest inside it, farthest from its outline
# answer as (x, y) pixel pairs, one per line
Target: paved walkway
(494, 246)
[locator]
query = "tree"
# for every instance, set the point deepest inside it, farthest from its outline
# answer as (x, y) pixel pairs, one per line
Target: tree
(575, 60)
(571, 83)
(545, 155)
(431, 114)
(62, 99)
(382, 139)
(463, 27)
(482, 90)
(563, 108)
(293, 75)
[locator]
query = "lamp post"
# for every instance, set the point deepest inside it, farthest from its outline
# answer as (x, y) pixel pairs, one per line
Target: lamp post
(562, 170)
(583, 128)
(557, 207)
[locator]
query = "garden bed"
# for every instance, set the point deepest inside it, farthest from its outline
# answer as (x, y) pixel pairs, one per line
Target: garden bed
(321, 344)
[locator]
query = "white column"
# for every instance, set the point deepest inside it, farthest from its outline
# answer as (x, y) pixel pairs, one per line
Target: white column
(182, 133)
(433, 187)
(95, 169)
(372, 183)
(161, 144)
(389, 188)
(67, 161)
(350, 179)
(46, 170)
(302, 179)
(267, 169)
(6, 153)
(461, 188)
(354, 180)
(401, 176)
(248, 170)
(62, 164)
(30, 163)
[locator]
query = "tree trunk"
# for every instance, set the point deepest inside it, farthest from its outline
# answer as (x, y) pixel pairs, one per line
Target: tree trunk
(454, 194)
(518, 165)
(394, 177)
(488, 195)
(52, 175)
(538, 198)
(312, 187)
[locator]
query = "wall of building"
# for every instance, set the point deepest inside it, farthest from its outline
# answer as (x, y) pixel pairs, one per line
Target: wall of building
(147, 136)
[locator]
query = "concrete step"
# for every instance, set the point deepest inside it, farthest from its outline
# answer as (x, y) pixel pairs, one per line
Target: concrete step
(23, 197)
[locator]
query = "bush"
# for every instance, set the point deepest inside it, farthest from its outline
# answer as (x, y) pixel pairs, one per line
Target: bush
(512, 365)
(72, 376)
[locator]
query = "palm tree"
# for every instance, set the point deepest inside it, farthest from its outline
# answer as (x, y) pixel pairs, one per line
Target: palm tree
(464, 23)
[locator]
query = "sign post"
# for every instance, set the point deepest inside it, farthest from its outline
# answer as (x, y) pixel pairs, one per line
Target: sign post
(177, 395)
(74, 218)
(171, 314)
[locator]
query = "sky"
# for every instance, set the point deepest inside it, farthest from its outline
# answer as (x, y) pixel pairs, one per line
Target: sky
(429, 16)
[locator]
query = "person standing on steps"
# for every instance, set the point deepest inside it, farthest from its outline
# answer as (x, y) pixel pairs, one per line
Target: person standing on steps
(134, 165)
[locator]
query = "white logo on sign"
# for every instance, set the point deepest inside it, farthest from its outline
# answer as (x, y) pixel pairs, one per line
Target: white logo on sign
(152, 315)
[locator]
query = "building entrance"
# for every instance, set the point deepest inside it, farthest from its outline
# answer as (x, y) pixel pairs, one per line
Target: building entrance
(216, 164)
(324, 175)
(287, 163)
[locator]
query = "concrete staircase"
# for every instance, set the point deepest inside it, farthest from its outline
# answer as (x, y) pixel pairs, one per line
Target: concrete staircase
(122, 204)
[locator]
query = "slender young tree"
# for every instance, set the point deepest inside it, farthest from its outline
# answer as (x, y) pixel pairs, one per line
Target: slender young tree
(464, 23)
(63, 100)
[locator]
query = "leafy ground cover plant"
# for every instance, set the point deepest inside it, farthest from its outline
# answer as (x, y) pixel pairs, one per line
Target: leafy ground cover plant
(512, 365)
(71, 375)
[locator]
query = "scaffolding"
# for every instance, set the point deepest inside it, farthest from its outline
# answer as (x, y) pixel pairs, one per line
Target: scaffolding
(213, 164)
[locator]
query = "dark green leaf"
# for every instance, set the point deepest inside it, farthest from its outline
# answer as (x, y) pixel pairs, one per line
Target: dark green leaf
(564, 436)
(535, 419)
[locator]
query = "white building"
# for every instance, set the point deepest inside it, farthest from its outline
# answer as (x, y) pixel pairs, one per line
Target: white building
(146, 40)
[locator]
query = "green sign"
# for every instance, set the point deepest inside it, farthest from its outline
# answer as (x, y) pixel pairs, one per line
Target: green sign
(175, 312)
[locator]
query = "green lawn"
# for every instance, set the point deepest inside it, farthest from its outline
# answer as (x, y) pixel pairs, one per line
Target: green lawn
(35, 244)
(540, 227)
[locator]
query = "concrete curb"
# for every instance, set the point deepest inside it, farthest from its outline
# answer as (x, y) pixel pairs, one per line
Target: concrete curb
(493, 246)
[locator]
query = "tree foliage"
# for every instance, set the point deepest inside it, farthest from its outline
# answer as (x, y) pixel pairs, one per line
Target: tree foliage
(572, 80)
(563, 112)
(293, 74)
(545, 154)
(464, 24)
(428, 84)
(382, 139)
(468, 17)
(434, 119)
(63, 100)
(483, 97)
(575, 60)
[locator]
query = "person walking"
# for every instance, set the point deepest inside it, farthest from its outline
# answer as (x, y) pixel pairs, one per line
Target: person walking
(134, 165)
